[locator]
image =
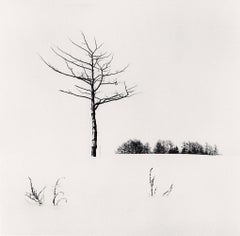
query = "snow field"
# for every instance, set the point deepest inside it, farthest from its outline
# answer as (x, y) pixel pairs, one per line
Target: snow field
(111, 196)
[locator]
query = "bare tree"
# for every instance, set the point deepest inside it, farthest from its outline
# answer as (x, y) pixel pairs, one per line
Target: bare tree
(94, 74)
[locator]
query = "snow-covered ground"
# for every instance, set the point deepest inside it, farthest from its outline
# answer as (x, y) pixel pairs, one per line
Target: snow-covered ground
(111, 196)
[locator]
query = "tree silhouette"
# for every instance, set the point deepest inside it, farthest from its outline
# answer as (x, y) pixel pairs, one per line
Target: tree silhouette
(134, 147)
(95, 77)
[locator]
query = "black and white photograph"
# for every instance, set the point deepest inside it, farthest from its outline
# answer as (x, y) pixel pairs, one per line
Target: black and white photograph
(120, 118)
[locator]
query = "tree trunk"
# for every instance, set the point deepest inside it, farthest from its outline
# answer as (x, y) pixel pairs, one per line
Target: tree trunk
(94, 132)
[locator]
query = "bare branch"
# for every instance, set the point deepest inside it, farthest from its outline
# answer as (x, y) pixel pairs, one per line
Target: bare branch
(72, 62)
(131, 90)
(107, 64)
(74, 94)
(74, 58)
(86, 43)
(97, 60)
(102, 56)
(79, 87)
(56, 70)
(84, 93)
(100, 77)
(64, 73)
(117, 96)
(79, 46)
(96, 46)
(86, 74)
(100, 82)
(110, 83)
(71, 69)
(116, 72)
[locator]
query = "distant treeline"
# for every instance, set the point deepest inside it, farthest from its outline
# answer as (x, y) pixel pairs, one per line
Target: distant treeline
(166, 147)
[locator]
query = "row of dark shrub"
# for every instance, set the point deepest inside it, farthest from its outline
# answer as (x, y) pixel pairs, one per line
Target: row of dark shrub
(166, 147)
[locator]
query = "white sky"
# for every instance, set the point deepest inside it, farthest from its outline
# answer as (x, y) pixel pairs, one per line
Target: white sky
(183, 55)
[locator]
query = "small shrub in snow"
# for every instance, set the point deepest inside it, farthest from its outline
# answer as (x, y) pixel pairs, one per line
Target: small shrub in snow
(133, 147)
(58, 196)
(34, 195)
(153, 188)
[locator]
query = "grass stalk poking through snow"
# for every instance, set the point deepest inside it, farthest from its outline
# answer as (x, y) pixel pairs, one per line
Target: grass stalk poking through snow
(153, 188)
(34, 195)
(58, 196)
